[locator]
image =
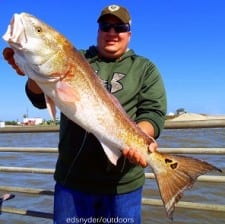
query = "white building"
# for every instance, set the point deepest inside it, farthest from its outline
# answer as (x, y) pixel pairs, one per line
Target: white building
(32, 121)
(2, 124)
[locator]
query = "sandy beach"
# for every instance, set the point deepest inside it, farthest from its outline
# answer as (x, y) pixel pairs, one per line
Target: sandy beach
(195, 117)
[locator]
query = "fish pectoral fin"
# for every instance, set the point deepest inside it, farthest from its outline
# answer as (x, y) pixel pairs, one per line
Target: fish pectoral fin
(66, 92)
(112, 154)
(51, 107)
(175, 174)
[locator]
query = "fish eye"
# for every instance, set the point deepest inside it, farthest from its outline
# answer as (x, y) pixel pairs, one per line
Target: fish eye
(38, 29)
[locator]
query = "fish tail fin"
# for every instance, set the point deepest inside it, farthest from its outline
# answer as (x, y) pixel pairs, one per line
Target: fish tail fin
(175, 174)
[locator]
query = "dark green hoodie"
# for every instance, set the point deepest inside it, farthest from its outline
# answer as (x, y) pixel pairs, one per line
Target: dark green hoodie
(82, 163)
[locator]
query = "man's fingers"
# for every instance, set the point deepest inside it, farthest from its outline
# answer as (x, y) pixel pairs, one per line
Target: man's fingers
(135, 157)
(8, 53)
(153, 147)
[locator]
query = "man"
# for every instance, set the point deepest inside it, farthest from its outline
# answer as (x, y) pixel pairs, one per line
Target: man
(88, 186)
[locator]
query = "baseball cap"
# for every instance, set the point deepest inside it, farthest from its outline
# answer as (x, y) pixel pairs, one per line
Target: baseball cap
(117, 11)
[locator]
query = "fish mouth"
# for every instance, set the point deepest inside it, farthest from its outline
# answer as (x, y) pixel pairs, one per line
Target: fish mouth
(15, 34)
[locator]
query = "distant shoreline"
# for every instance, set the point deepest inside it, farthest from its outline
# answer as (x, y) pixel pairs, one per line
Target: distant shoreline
(195, 117)
(182, 121)
(29, 129)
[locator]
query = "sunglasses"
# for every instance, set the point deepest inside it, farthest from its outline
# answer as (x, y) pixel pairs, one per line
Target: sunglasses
(118, 27)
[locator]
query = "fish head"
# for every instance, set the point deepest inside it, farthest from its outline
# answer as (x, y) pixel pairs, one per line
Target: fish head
(39, 50)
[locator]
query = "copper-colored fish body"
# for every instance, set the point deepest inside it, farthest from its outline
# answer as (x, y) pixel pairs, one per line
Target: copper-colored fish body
(69, 83)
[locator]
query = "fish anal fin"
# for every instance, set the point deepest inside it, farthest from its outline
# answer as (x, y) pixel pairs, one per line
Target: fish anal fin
(111, 153)
(175, 174)
(51, 107)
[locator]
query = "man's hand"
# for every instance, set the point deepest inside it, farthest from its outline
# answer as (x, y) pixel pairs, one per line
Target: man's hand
(136, 156)
(8, 56)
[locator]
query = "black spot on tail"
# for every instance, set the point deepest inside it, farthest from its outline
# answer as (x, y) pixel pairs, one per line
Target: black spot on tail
(168, 161)
(173, 165)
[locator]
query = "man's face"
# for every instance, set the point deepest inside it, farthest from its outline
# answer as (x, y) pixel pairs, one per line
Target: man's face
(112, 44)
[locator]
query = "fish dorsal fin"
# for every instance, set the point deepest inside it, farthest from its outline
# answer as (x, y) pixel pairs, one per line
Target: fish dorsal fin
(51, 107)
(112, 154)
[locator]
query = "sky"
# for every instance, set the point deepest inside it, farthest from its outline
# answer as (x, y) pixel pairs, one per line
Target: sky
(184, 38)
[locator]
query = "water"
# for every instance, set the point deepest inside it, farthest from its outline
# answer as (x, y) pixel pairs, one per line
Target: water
(201, 192)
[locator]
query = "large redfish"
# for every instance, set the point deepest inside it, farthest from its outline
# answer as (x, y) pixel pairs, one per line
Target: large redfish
(70, 83)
